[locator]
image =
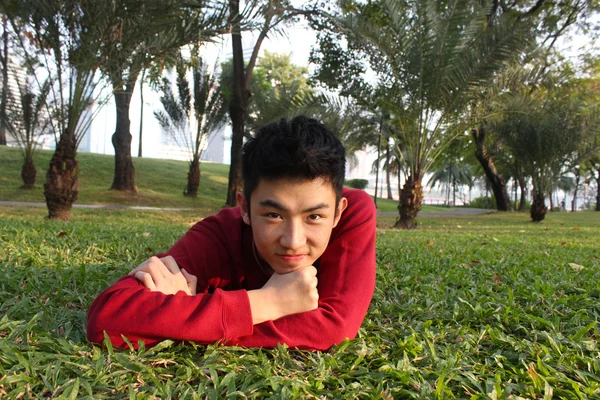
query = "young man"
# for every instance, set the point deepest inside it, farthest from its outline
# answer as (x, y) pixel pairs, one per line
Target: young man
(293, 264)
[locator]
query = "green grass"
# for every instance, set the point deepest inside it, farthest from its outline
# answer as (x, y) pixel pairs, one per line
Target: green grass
(160, 183)
(385, 205)
(491, 306)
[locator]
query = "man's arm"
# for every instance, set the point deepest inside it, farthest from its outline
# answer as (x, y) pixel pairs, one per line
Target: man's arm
(129, 308)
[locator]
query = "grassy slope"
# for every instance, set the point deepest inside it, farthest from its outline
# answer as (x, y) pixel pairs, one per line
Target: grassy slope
(160, 183)
(486, 306)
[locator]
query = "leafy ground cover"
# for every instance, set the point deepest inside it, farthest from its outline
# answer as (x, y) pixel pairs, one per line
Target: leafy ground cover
(490, 306)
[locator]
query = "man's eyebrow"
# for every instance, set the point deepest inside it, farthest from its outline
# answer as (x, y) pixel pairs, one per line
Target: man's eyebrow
(274, 204)
(317, 207)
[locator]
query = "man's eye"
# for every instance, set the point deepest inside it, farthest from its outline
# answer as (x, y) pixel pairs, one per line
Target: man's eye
(273, 215)
(314, 217)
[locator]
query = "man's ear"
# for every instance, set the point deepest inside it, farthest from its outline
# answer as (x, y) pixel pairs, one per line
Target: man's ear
(340, 209)
(244, 209)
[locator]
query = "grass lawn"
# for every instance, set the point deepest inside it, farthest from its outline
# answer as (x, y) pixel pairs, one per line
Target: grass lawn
(160, 183)
(385, 205)
(490, 306)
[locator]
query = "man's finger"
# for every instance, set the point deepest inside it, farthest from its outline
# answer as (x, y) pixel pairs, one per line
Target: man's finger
(171, 264)
(146, 279)
(191, 280)
(142, 267)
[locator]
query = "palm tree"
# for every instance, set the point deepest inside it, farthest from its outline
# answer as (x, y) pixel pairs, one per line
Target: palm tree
(542, 132)
(450, 174)
(64, 40)
(27, 121)
(140, 34)
(439, 56)
(189, 119)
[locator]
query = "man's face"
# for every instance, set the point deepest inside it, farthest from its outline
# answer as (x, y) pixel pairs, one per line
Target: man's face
(291, 220)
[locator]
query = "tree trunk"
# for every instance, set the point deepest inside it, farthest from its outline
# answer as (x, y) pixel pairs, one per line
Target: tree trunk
(388, 178)
(28, 173)
(551, 203)
(453, 192)
(237, 106)
(496, 180)
(399, 181)
(516, 193)
(538, 208)
(121, 140)
(193, 179)
(141, 112)
(574, 202)
(598, 191)
(523, 188)
(3, 101)
(411, 198)
(62, 182)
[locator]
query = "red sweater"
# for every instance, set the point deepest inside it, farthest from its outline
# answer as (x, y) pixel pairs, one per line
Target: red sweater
(218, 251)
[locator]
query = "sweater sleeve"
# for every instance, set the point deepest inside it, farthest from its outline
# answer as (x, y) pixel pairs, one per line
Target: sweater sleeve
(128, 308)
(346, 275)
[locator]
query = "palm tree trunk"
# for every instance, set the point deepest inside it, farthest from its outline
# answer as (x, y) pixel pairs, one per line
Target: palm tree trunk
(538, 207)
(237, 106)
(193, 178)
(121, 140)
(411, 198)
(62, 182)
(496, 180)
(28, 173)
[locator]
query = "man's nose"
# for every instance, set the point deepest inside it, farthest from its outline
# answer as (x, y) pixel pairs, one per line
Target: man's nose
(293, 236)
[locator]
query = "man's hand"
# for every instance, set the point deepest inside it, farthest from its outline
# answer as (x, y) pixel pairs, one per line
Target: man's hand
(283, 295)
(163, 275)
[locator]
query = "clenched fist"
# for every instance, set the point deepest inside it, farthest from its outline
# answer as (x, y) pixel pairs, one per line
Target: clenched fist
(287, 294)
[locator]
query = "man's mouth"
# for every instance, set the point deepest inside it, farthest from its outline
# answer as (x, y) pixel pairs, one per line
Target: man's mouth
(291, 258)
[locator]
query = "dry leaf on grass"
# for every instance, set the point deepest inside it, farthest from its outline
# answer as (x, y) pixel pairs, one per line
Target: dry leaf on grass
(576, 267)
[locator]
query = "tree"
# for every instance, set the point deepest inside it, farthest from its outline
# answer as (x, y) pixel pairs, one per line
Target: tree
(542, 130)
(138, 34)
(193, 115)
(27, 121)
(437, 56)
(64, 38)
(267, 15)
(278, 87)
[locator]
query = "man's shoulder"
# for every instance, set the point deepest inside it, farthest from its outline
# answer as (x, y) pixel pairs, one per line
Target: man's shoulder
(359, 200)
(227, 220)
(361, 209)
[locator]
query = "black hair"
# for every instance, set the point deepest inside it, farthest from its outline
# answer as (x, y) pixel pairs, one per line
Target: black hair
(301, 148)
